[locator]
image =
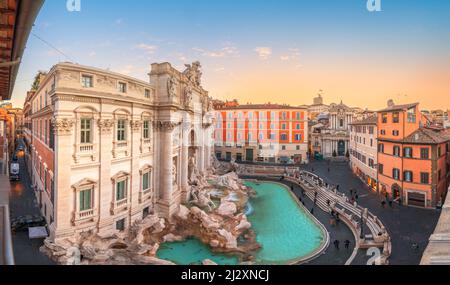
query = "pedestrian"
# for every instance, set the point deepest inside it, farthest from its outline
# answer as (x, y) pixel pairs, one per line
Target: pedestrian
(328, 202)
(315, 201)
(336, 244)
(292, 187)
(356, 197)
(328, 170)
(315, 194)
(383, 203)
(347, 244)
(390, 203)
(312, 211)
(337, 187)
(303, 202)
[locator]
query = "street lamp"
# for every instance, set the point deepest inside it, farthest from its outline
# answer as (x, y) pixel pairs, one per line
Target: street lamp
(361, 235)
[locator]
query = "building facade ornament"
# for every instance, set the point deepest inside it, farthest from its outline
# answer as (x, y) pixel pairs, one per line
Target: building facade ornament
(136, 125)
(193, 73)
(172, 85)
(63, 126)
(188, 96)
(105, 125)
(166, 125)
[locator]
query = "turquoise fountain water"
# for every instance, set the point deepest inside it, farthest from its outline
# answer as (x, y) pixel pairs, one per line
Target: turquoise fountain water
(282, 227)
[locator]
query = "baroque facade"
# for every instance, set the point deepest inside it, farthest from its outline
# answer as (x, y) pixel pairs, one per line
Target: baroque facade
(335, 139)
(106, 149)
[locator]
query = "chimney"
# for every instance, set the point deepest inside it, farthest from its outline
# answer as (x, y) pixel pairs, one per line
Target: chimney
(391, 103)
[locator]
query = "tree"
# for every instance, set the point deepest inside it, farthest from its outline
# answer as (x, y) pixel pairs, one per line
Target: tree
(334, 153)
(37, 80)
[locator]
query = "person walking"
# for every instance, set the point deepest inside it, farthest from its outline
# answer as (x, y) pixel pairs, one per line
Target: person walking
(383, 203)
(312, 211)
(336, 244)
(347, 244)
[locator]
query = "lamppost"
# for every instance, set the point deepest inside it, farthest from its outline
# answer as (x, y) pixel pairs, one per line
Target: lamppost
(361, 235)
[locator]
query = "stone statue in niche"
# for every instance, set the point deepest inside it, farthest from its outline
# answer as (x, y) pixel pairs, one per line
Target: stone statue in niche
(172, 85)
(174, 174)
(188, 96)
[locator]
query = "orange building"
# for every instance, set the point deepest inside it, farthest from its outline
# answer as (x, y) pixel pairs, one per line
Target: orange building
(413, 160)
(265, 133)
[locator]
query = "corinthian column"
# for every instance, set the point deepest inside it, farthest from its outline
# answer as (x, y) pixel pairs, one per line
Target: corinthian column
(167, 201)
(63, 205)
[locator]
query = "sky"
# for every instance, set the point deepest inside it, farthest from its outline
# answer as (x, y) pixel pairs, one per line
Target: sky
(259, 51)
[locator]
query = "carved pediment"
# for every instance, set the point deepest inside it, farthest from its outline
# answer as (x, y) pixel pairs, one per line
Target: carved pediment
(86, 182)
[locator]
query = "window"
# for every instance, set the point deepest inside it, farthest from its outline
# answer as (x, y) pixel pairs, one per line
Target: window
(298, 137)
(272, 136)
(145, 212)
(283, 147)
(146, 130)
(395, 133)
(87, 81)
(341, 123)
(260, 147)
(383, 132)
(371, 163)
(407, 152)
(396, 151)
(146, 181)
(439, 152)
(384, 118)
(381, 148)
(122, 87)
(121, 130)
(396, 117)
(424, 178)
(396, 174)
(283, 126)
(380, 168)
(147, 93)
(121, 190)
(283, 137)
(297, 147)
(298, 126)
(298, 116)
(424, 153)
(412, 115)
(85, 200)
(408, 176)
(120, 225)
(284, 116)
(86, 131)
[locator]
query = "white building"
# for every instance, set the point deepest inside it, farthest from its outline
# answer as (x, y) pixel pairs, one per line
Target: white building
(364, 150)
(336, 138)
(108, 149)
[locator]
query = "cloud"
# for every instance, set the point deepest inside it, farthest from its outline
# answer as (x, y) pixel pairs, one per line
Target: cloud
(149, 49)
(263, 52)
(226, 51)
(92, 54)
(219, 69)
(293, 54)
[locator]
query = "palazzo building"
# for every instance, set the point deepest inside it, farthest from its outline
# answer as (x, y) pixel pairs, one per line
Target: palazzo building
(363, 150)
(413, 160)
(265, 133)
(106, 149)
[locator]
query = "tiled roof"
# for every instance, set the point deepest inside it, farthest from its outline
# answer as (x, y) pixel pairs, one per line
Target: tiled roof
(261, 107)
(424, 135)
(399, 107)
(371, 120)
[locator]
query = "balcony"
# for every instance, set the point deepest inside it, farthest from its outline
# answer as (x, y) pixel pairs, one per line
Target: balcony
(119, 206)
(146, 195)
(86, 148)
(83, 217)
